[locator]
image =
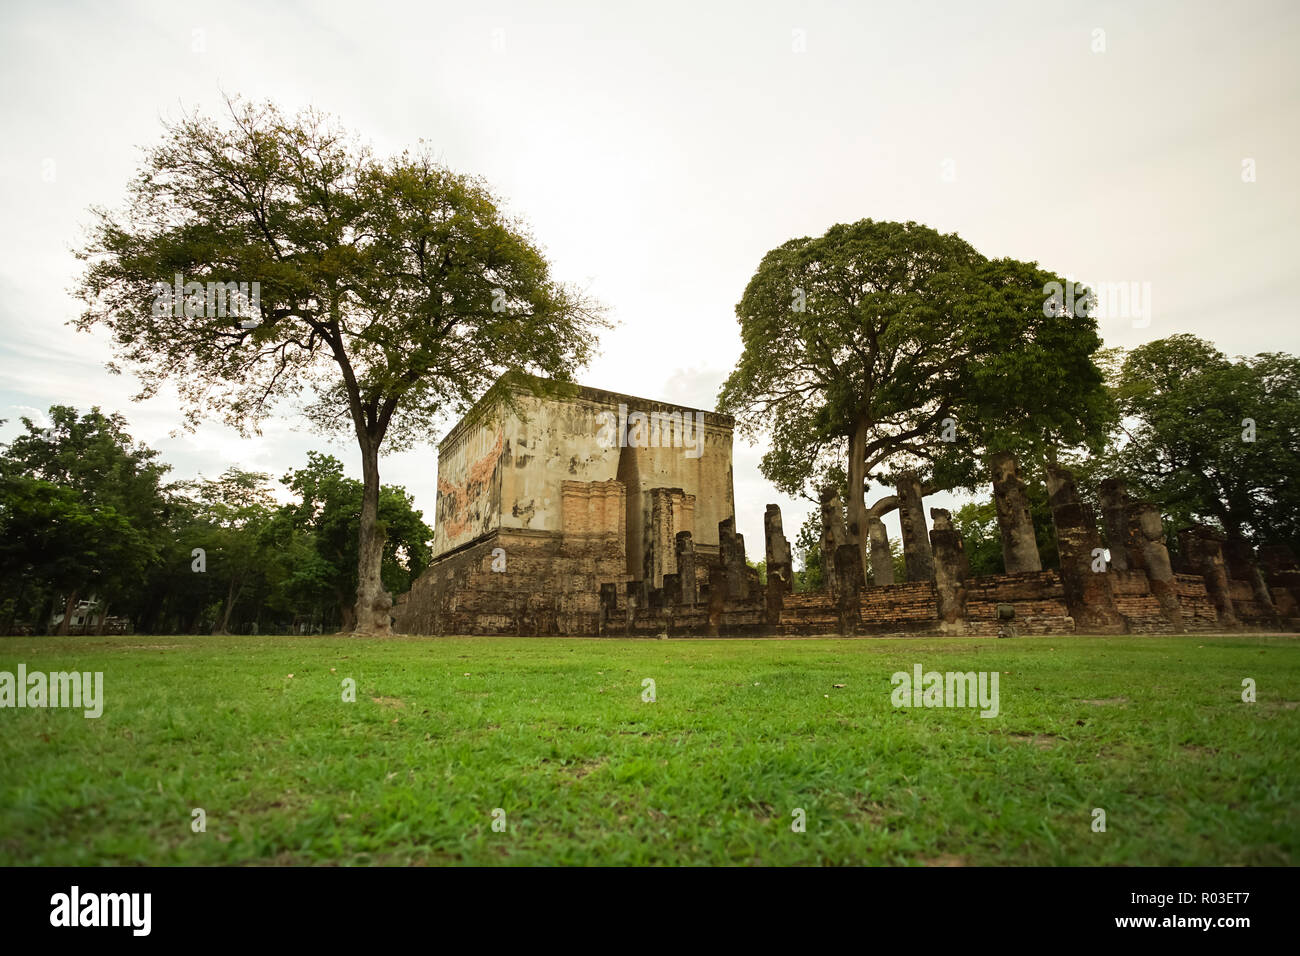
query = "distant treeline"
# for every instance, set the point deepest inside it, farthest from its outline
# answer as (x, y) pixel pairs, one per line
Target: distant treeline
(87, 516)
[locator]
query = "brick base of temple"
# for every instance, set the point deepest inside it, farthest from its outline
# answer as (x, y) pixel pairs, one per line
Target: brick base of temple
(577, 582)
(535, 584)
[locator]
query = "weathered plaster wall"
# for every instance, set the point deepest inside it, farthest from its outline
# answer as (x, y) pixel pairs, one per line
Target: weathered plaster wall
(469, 484)
(499, 469)
(707, 478)
(550, 443)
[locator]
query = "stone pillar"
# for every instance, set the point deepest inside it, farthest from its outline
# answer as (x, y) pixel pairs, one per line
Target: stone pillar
(1087, 590)
(608, 605)
(1114, 516)
(1242, 566)
(834, 534)
(1155, 559)
(671, 510)
(1283, 573)
(1204, 550)
(1019, 547)
(949, 573)
(775, 593)
(941, 520)
(780, 565)
(848, 569)
(672, 590)
(731, 551)
(882, 562)
(1136, 556)
(916, 543)
(717, 598)
(686, 567)
(634, 600)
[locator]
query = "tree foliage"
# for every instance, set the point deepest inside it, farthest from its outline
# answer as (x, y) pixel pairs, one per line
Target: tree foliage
(81, 507)
(977, 523)
(1209, 438)
(84, 515)
(231, 520)
(882, 348)
(391, 292)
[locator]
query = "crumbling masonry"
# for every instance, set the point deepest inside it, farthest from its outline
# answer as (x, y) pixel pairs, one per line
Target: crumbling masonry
(595, 513)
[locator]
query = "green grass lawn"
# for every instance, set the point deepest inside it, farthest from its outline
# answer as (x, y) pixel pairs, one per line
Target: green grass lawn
(742, 732)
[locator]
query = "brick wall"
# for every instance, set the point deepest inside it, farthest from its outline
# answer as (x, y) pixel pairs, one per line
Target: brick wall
(548, 586)
(1248, 609)
(551, 584)
(1037, 596)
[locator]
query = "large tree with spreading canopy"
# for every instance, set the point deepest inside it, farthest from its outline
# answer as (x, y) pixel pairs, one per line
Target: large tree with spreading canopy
(391, 292)
(886, 348)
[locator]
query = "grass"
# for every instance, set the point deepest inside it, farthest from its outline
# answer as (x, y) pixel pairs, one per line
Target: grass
(555, 732)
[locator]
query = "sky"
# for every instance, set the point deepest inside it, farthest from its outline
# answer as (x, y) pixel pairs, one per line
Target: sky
(657, 151)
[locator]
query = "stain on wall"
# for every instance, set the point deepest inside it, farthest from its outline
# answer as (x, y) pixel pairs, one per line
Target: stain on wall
(483, 487)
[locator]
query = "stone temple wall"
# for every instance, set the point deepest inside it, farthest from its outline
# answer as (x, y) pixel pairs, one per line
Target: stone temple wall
(567, 518)
(556, 512)
(525, 581)
(503, 468)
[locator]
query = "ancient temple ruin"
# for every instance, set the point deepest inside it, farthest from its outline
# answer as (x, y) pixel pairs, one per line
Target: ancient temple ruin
(587, 512)
(565, 512)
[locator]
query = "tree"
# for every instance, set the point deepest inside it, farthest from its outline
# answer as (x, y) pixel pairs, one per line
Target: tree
(811, 576)
(1211, 439)
(388, 292)
(234, 514)
(814, 575)
(977, 523)
(82, 507)
(47, 538)
(173, 597)
(882, 349)
(330, 513)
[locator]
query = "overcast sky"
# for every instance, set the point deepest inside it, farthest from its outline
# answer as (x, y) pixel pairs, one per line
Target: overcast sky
(658, 150)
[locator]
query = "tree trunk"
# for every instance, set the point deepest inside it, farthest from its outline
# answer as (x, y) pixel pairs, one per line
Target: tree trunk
(67, 614)
(857, 504)
(15, 607)
(373, 602)
(144, 624)
(103, 616)
(347, 615)
(46, 614)
(225, 616)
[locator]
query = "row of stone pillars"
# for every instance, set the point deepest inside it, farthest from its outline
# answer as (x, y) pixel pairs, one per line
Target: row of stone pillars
(1209, 554)
(1019, 546)
(1088, 589)
(1133, 530)
(835, 536)
(947, 562)
(730, 577)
